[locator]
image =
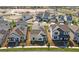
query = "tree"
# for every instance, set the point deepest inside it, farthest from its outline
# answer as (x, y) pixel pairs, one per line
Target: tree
(48, 46)
(22, 39)
(29, 27)
(13, 24)
(78, 21)
(74, 22)
(0, 45)
(68, 42)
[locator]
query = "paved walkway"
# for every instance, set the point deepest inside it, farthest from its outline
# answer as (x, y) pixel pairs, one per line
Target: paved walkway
(36, 47)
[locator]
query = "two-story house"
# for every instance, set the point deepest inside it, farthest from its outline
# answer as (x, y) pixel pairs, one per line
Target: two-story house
(38, 35)
(60, 34)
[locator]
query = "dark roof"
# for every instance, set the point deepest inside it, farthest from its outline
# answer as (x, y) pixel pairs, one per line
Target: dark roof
(64, 27)
(19, 31)
(2, 31)
(74, 28)
(53, 26)
(77, 30)
(46, 15)
(21, 23)
(27, 17)
(35, 31)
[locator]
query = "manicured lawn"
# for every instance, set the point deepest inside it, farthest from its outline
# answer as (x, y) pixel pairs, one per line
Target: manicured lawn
(41, 49)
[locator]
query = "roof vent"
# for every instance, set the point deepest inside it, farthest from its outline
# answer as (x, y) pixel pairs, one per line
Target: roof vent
(52, 23)
(61, 23)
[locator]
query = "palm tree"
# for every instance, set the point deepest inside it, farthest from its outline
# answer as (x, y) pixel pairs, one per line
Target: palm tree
(48, 46)
(29, 28)
(7, 45)
(22, 38)
(68, 43)
(12, 24)
(78, 22)
(0, 45)
(74, 22)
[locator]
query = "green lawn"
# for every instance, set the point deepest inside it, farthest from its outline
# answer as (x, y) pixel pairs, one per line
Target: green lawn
(41, 49)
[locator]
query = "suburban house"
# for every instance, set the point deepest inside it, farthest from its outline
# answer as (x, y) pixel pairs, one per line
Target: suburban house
(1, 18)
(53, 18)
(14, 39)
(69, 19)
(26, 17)
(74, 33)
(4, 27)
(43, 16)
(60, 34)
(46, 16)
(2, 35)
(61, 18)
(77, 13)
(38, 35)
(39, 16)
(77, 35)
(21, 24)
(17, 35)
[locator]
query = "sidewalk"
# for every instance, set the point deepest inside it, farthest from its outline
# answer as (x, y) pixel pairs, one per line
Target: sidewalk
(36, 47)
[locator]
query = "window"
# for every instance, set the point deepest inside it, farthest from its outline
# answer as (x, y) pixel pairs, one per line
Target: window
(60, 38)
(17, 24)
(65, 38)
(56, 33)
(69, 18)
(12, 39)
(33, 38)
(6, 24)
(24, 17)
(55, 37)
(65, 33)
(61, 17)
(78, 34)
(40, 38)
(17, 39)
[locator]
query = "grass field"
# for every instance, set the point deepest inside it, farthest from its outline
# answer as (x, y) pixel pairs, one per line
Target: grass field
(41, 49)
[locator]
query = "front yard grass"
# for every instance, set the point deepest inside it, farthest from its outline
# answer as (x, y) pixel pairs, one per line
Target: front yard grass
(41, 49)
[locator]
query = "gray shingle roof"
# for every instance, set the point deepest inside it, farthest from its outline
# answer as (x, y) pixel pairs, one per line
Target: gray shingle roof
(73, 27)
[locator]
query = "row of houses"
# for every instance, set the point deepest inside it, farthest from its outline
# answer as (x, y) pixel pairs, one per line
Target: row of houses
(46, 16)
(4, 28)
(60, 33)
